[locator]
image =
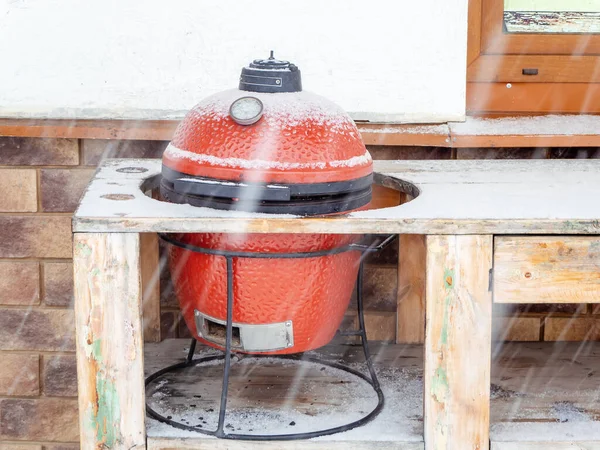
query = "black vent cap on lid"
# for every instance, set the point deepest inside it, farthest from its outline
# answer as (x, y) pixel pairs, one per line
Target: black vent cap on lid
(271, 75)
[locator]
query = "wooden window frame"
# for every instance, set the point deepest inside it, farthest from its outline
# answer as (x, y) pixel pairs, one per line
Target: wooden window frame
(568, 79)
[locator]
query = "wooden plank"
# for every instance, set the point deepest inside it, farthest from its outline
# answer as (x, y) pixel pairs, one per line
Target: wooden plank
(551, 69)
(411, 289)
(284, 391)
(516, 328)
(526, 141)
(526, 131)
(162, 130)
(435, 135)
(495, 197)
(380, 325)
(545, 445)
(458, 333)
(150, 274)
(543, 394)
(390, 135)
(571, 329)
(110, 360)
(154, 130)
(199, 443)
(574, 98)
(473, 31)
(546, 269)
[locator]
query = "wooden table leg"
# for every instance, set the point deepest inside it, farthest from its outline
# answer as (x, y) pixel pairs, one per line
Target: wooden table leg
(110, 365)
(457, 342)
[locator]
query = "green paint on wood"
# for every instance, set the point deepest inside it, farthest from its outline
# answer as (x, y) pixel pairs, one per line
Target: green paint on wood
(448, 279)
(84, 249)
(448, 286)
(95, 272)
(97, 350)
(108, 415)
(104, 419)
(594, 246)
(439, 385)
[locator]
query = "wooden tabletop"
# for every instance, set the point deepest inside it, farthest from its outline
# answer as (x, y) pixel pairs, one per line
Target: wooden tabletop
(454, 197)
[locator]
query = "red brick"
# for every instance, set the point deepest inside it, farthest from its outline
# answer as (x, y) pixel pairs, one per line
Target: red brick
(60, 376)
(37, 329)
(19, 374)
(396, 152)
(58, 284)
(16, 151)
(95, 150)
(35, 237)
(19, 283)
(19, 190)
(39, 420)
(61, 189)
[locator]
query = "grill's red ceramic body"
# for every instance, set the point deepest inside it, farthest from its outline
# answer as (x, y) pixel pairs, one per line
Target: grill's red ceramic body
(301, 138)
(312, 293)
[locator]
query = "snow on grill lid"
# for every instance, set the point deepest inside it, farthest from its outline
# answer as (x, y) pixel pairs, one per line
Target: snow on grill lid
(286, 109)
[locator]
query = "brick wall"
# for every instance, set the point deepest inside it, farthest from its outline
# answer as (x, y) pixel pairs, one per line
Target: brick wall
(41, 181)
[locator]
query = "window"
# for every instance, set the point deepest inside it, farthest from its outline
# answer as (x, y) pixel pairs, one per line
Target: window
(533, 56)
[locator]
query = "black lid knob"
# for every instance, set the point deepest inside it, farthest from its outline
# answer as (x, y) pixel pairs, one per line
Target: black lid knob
(271, 75)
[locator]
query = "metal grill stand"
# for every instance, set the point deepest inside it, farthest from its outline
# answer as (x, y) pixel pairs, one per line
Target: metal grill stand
(371, 379)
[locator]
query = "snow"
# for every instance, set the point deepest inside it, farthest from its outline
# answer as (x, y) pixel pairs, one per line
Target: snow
(260, 164)
(282, 110)
(562, 125)
(438, 129)
(402, 389)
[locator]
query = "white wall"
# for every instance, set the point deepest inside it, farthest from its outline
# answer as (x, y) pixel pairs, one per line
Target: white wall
(383, 60)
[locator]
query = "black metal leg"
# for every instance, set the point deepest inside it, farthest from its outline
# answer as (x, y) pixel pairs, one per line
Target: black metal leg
(228, 339)
(190, 355)
(363, 329)
(226, 357)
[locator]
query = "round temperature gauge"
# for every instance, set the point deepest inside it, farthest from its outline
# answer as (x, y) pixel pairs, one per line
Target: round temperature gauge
(246, 110)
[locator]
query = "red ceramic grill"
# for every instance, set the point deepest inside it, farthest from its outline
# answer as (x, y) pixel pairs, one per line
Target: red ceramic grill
(267, 147)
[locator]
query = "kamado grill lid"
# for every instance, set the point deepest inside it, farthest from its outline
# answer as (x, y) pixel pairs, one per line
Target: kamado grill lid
(268, 147)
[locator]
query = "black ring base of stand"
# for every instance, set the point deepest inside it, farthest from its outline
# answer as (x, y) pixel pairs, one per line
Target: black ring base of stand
(371, 379)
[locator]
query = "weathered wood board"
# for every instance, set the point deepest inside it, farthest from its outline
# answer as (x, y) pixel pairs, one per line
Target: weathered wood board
(110, 359)
(543, 396)
(411, 289)
(454, 197)
(150, 274)
(458, 317)
(547, 269)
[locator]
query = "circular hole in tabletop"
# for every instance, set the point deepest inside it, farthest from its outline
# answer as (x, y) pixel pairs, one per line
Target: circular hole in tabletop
(132, 170)
(118, 196)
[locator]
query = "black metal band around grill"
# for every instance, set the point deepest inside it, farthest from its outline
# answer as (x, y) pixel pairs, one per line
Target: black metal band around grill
(298, 198)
